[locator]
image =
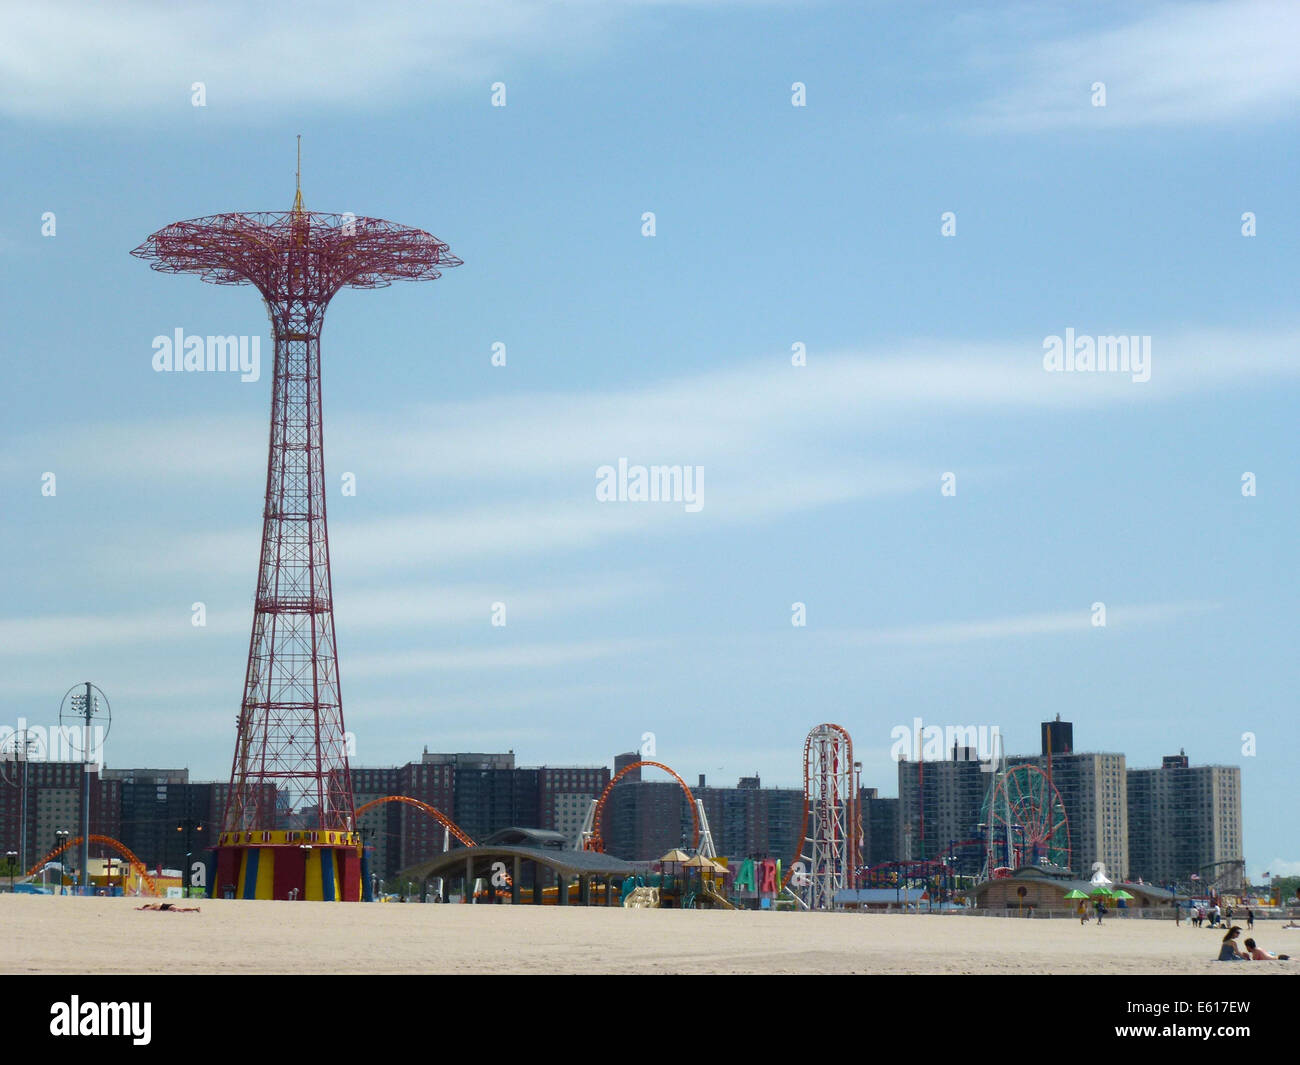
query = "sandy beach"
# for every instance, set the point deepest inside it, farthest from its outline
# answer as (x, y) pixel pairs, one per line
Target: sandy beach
(77, 935)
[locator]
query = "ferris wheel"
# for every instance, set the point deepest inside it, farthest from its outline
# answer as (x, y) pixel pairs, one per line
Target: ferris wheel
(1024, 820)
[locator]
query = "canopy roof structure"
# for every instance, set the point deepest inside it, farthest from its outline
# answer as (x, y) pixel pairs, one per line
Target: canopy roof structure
(528, 844)
(325, 251)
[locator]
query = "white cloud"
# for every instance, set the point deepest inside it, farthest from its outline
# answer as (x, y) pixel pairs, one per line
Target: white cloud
(1045, 624)
(382, 609)
(518, 656)
(83, 60)
(773, 440)
(765, 415)
(1181, 63)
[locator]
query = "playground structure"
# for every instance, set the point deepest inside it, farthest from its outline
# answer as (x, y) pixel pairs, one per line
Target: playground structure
(136, 866)
(831, 829)
(290, 743)
(1024, 821)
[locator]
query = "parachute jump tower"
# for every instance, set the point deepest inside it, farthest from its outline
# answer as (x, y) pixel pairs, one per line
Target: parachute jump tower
(289, 829)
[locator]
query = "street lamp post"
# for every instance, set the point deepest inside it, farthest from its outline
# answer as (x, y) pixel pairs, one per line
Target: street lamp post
(82, 709)
(188, 825)
(60, 839)
(18, 751)
(24, 751)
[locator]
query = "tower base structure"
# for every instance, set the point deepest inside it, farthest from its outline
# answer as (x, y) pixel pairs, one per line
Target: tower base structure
(306, 865)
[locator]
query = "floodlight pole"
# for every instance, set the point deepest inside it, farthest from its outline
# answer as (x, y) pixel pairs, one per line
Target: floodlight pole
(87, 710)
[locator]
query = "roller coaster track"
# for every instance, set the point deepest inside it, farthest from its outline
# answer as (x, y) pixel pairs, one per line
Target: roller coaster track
(432, 811)
(136, 865)
(597, 841)
(854, 825)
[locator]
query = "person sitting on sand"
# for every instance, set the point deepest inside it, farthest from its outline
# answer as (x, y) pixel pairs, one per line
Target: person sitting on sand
(1260, 954)
(1230, 949)
(167, 907)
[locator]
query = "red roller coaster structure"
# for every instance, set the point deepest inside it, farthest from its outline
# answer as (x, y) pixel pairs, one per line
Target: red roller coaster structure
(122, 849)
(596, 842)
(830, 803)
(432, 811)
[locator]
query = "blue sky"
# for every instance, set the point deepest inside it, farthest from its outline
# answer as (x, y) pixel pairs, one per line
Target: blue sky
(775, 225)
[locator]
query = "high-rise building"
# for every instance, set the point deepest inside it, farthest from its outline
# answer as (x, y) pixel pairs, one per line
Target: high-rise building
(163, 813)
(643, 820)
(879, 827)
(481, 793)
(622, 761)
(380, 826)
(1094, 793)
(565, 794)
(1058, 737)
(1186, 820)
(54, 805)
(751, 821)
(939, 804)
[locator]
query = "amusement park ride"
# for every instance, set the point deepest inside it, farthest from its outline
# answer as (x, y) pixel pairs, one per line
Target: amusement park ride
(1022, 822)
(290, 742)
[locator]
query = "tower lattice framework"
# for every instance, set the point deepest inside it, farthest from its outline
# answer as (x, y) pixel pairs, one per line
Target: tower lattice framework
(290, 786)
(832, 818)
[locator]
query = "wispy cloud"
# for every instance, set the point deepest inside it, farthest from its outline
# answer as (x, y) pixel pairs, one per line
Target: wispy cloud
(759, 414)
(81, 61)
(773, 440)
(380, 609)
(1022, 625)
(520, 656)
(1178, 63)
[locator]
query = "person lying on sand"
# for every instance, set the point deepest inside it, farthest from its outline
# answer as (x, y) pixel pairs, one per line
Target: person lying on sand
(1259, 954)
(167, 907)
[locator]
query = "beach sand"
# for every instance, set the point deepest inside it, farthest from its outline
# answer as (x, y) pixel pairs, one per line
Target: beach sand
(61, 934)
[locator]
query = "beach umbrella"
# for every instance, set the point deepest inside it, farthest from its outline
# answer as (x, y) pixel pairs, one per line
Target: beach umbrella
(1122, 894)
(1075, 894)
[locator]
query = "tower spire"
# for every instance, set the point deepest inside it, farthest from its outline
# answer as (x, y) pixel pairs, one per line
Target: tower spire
(297, 181)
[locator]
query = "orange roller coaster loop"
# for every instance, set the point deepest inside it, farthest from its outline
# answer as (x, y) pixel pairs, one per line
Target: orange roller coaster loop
(432, 811)
(597, 841)
(122, 849)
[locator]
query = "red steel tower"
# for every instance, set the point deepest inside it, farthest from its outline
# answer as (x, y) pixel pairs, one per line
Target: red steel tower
(289, 828)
